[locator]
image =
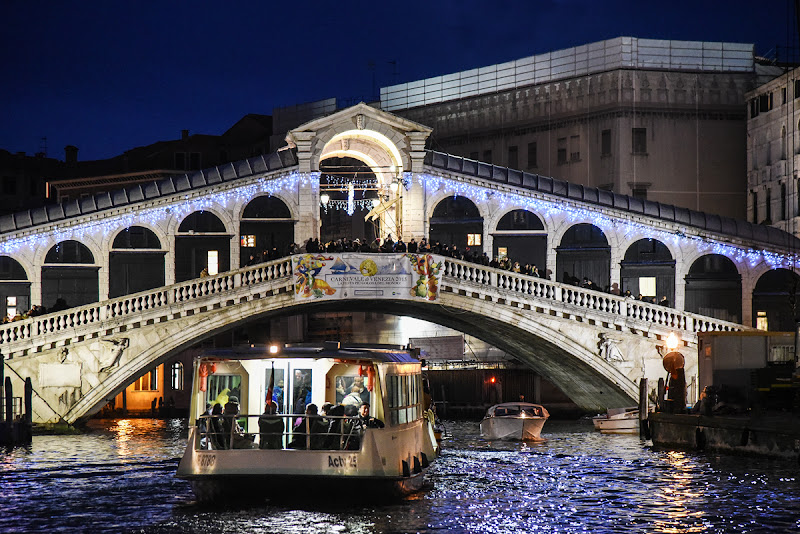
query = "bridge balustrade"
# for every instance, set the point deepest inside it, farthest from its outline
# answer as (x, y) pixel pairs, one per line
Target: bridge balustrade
(92, 320)
(531, 287)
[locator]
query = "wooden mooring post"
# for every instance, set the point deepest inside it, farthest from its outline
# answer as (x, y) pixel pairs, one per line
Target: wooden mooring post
(15, 430)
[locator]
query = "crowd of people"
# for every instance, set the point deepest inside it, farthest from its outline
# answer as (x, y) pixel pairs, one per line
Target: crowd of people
(36, 310)
(334, 427)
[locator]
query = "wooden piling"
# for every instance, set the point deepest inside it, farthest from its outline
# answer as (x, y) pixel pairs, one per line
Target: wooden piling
(644, 409)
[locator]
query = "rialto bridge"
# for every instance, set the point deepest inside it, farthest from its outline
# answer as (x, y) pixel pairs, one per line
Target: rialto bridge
(126, 264)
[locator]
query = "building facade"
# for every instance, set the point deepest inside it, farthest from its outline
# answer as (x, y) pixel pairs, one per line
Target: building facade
(657, 120)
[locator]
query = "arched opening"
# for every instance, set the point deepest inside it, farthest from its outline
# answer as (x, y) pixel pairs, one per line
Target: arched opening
(201, 244)
(649, 270)
(775, 299)
(135, 263)
(69, 276)
(348, 191)
(714, 288)
(15, 289)
(520, 235)
(584, 253)
(457, 221)
(265, 231)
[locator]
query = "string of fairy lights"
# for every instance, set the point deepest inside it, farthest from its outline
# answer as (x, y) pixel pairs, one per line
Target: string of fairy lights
(432, 184)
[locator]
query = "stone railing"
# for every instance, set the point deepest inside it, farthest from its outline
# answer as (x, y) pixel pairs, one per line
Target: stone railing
(573, 299)
(104, 318)
(76, 324)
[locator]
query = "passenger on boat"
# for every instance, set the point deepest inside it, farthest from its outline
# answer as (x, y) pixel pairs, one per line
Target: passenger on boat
(354, 397)
(203, 426)
(333, 439)
(270, 428)
(234, 434)
(309, 432)
(366, 420)
(217, 429)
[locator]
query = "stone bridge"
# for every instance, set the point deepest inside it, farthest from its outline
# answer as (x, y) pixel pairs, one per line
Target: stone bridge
(595, 346)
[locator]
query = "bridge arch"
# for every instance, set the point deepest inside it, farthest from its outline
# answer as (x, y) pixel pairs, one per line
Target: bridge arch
(714, 288)
(136, 261)
(202, 238)
(266, 222)
(70, 275)
(523, 234)
(648, 268)
(570, 362)
(453, 219)
(15, 287)
(584, 252)
(773, 295)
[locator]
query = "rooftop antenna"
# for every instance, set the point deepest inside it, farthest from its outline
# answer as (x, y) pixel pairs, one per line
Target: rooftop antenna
(43, 146)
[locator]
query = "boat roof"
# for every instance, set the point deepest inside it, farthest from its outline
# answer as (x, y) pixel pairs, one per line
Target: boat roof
(328, 349)
(520, 404)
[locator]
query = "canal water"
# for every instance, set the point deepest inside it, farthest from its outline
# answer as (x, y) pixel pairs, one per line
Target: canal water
(119, 477)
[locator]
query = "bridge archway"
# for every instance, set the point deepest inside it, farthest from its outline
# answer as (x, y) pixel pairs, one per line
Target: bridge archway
(266, 229)
(773, 297)
(69, 276)
(201, 242)
(136, 262)
(350, 187)
(648, 268)
(457, 221)
(15, 288)
(584, 252)
(714, 288)
(521, 235)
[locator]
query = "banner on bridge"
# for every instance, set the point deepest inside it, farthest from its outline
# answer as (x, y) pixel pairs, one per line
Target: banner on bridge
(367, 276)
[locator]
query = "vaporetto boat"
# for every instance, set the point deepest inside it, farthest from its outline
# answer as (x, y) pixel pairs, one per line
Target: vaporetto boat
(254, 428)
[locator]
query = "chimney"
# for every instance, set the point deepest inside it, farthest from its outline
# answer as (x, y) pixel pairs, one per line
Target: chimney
(71, 154)
(184, 134)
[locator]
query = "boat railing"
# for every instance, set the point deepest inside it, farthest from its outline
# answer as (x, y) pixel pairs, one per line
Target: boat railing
(279, 431)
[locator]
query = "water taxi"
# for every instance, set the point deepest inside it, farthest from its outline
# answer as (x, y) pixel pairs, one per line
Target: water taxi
(321, 419)
(618, 421)
(514, 421)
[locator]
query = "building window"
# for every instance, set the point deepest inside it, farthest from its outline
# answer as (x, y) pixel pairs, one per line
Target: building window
(532, 155)
(473, 240)
(213, 262)
(502, 252)
(765, 102)
(176, 376)
(755, 207)
(11, 307)
(768, 207)
(783, 142)
(147, 382)
(754, 108)
(639, 140)
(194, 161)
(783, 214)
(783, 95)
(647, 286)
(640, 192)
(9, 185)
(487, 156)
(761, 320)
(513, 157)
(561, 154)
(605, 143)
(797, 88)
(249, 241)
(575, 148)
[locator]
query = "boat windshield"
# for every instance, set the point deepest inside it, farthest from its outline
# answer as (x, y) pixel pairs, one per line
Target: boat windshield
(511, 411)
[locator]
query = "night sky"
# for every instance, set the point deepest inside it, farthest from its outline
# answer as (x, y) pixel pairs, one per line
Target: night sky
(107, 76)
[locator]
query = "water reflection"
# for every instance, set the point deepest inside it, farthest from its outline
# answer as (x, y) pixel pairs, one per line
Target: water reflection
(120, 477)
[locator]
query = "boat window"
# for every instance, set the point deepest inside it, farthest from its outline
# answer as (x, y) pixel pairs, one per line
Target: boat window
(351, 390)
(301, 390)
(506, 410)
(533, 411)
(220, 387)
(278, 389)
(404, 394)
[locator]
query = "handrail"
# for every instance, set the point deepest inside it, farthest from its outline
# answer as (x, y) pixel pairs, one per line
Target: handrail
(528, 287)
(57, 327)
(218, 432)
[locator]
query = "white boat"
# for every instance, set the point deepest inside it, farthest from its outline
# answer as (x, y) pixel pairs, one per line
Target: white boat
(618, 421)
(514, 421)
(250, 453)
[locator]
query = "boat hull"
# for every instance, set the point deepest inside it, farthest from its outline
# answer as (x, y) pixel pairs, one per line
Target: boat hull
(512, 428)
(617, 426)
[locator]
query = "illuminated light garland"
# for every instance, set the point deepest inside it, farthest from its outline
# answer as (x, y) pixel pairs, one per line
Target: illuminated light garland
(365, 204)
(63, 230)
(630, 229)
(350, 205)
(345, 181)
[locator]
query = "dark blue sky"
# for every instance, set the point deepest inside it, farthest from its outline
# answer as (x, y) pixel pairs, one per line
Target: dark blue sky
(107, 76)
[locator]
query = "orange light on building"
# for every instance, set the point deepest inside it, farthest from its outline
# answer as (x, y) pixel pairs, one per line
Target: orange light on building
(492, 380)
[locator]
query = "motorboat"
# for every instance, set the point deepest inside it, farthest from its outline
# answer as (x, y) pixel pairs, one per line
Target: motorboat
(514, 421)
(235, 450)
(618, 421)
